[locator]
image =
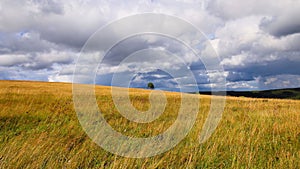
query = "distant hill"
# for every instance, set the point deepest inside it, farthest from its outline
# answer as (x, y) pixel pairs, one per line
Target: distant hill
(293, 93)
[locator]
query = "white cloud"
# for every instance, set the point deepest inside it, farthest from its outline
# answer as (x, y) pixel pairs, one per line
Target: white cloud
(236, 60)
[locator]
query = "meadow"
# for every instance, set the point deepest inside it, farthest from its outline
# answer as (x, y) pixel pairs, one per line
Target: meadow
(39, 129)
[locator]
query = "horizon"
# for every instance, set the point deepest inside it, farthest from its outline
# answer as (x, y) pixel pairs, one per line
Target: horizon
(162, 89)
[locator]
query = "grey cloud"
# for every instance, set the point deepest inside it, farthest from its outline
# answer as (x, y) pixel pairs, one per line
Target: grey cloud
(37, 61)
(50, 6)
(234, 9)
(13, 60)
(279, 81)
(161, 79)
(48, 18)
(253, 53)
(17, 73)
(282, 66)
(137, 43)
(279, 17)
(24, 42)
(27, 50)
(239, 76)
(282, 25)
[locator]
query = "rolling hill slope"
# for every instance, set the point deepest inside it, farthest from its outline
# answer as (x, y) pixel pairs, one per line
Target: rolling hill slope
(40, 129)
(292, 93)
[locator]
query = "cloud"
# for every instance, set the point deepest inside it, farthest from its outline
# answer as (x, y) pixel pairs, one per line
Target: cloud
(37, 61)
(71, 23)
(11, 60)
(239, 76)
(161, 80)
(257, 41)
(25, 42)
(280, 81)
(51, 6)
(282, 25)
(234, 9)
(248, 52)
(17, 73)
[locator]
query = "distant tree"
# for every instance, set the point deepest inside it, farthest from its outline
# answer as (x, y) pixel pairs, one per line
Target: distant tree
(150, 85)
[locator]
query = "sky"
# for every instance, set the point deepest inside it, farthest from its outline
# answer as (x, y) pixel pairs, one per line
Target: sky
(258, 42)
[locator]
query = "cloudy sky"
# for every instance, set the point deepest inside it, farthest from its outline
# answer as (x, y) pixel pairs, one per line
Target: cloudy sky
(258, 42)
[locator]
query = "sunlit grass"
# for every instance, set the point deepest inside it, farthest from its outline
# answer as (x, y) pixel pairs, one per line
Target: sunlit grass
(39, 129)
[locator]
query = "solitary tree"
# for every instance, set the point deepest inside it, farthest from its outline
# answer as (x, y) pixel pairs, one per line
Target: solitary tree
(150, 85)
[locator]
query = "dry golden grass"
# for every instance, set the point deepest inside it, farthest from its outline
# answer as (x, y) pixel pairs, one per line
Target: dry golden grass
(39, 129)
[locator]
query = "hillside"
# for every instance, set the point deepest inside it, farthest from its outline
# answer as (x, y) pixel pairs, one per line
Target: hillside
(292, 93)
(39, 129)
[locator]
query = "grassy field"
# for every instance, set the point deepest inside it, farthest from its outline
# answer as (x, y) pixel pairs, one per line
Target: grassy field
(39, 129)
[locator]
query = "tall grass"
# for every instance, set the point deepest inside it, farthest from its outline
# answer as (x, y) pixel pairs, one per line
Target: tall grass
(39, 129)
